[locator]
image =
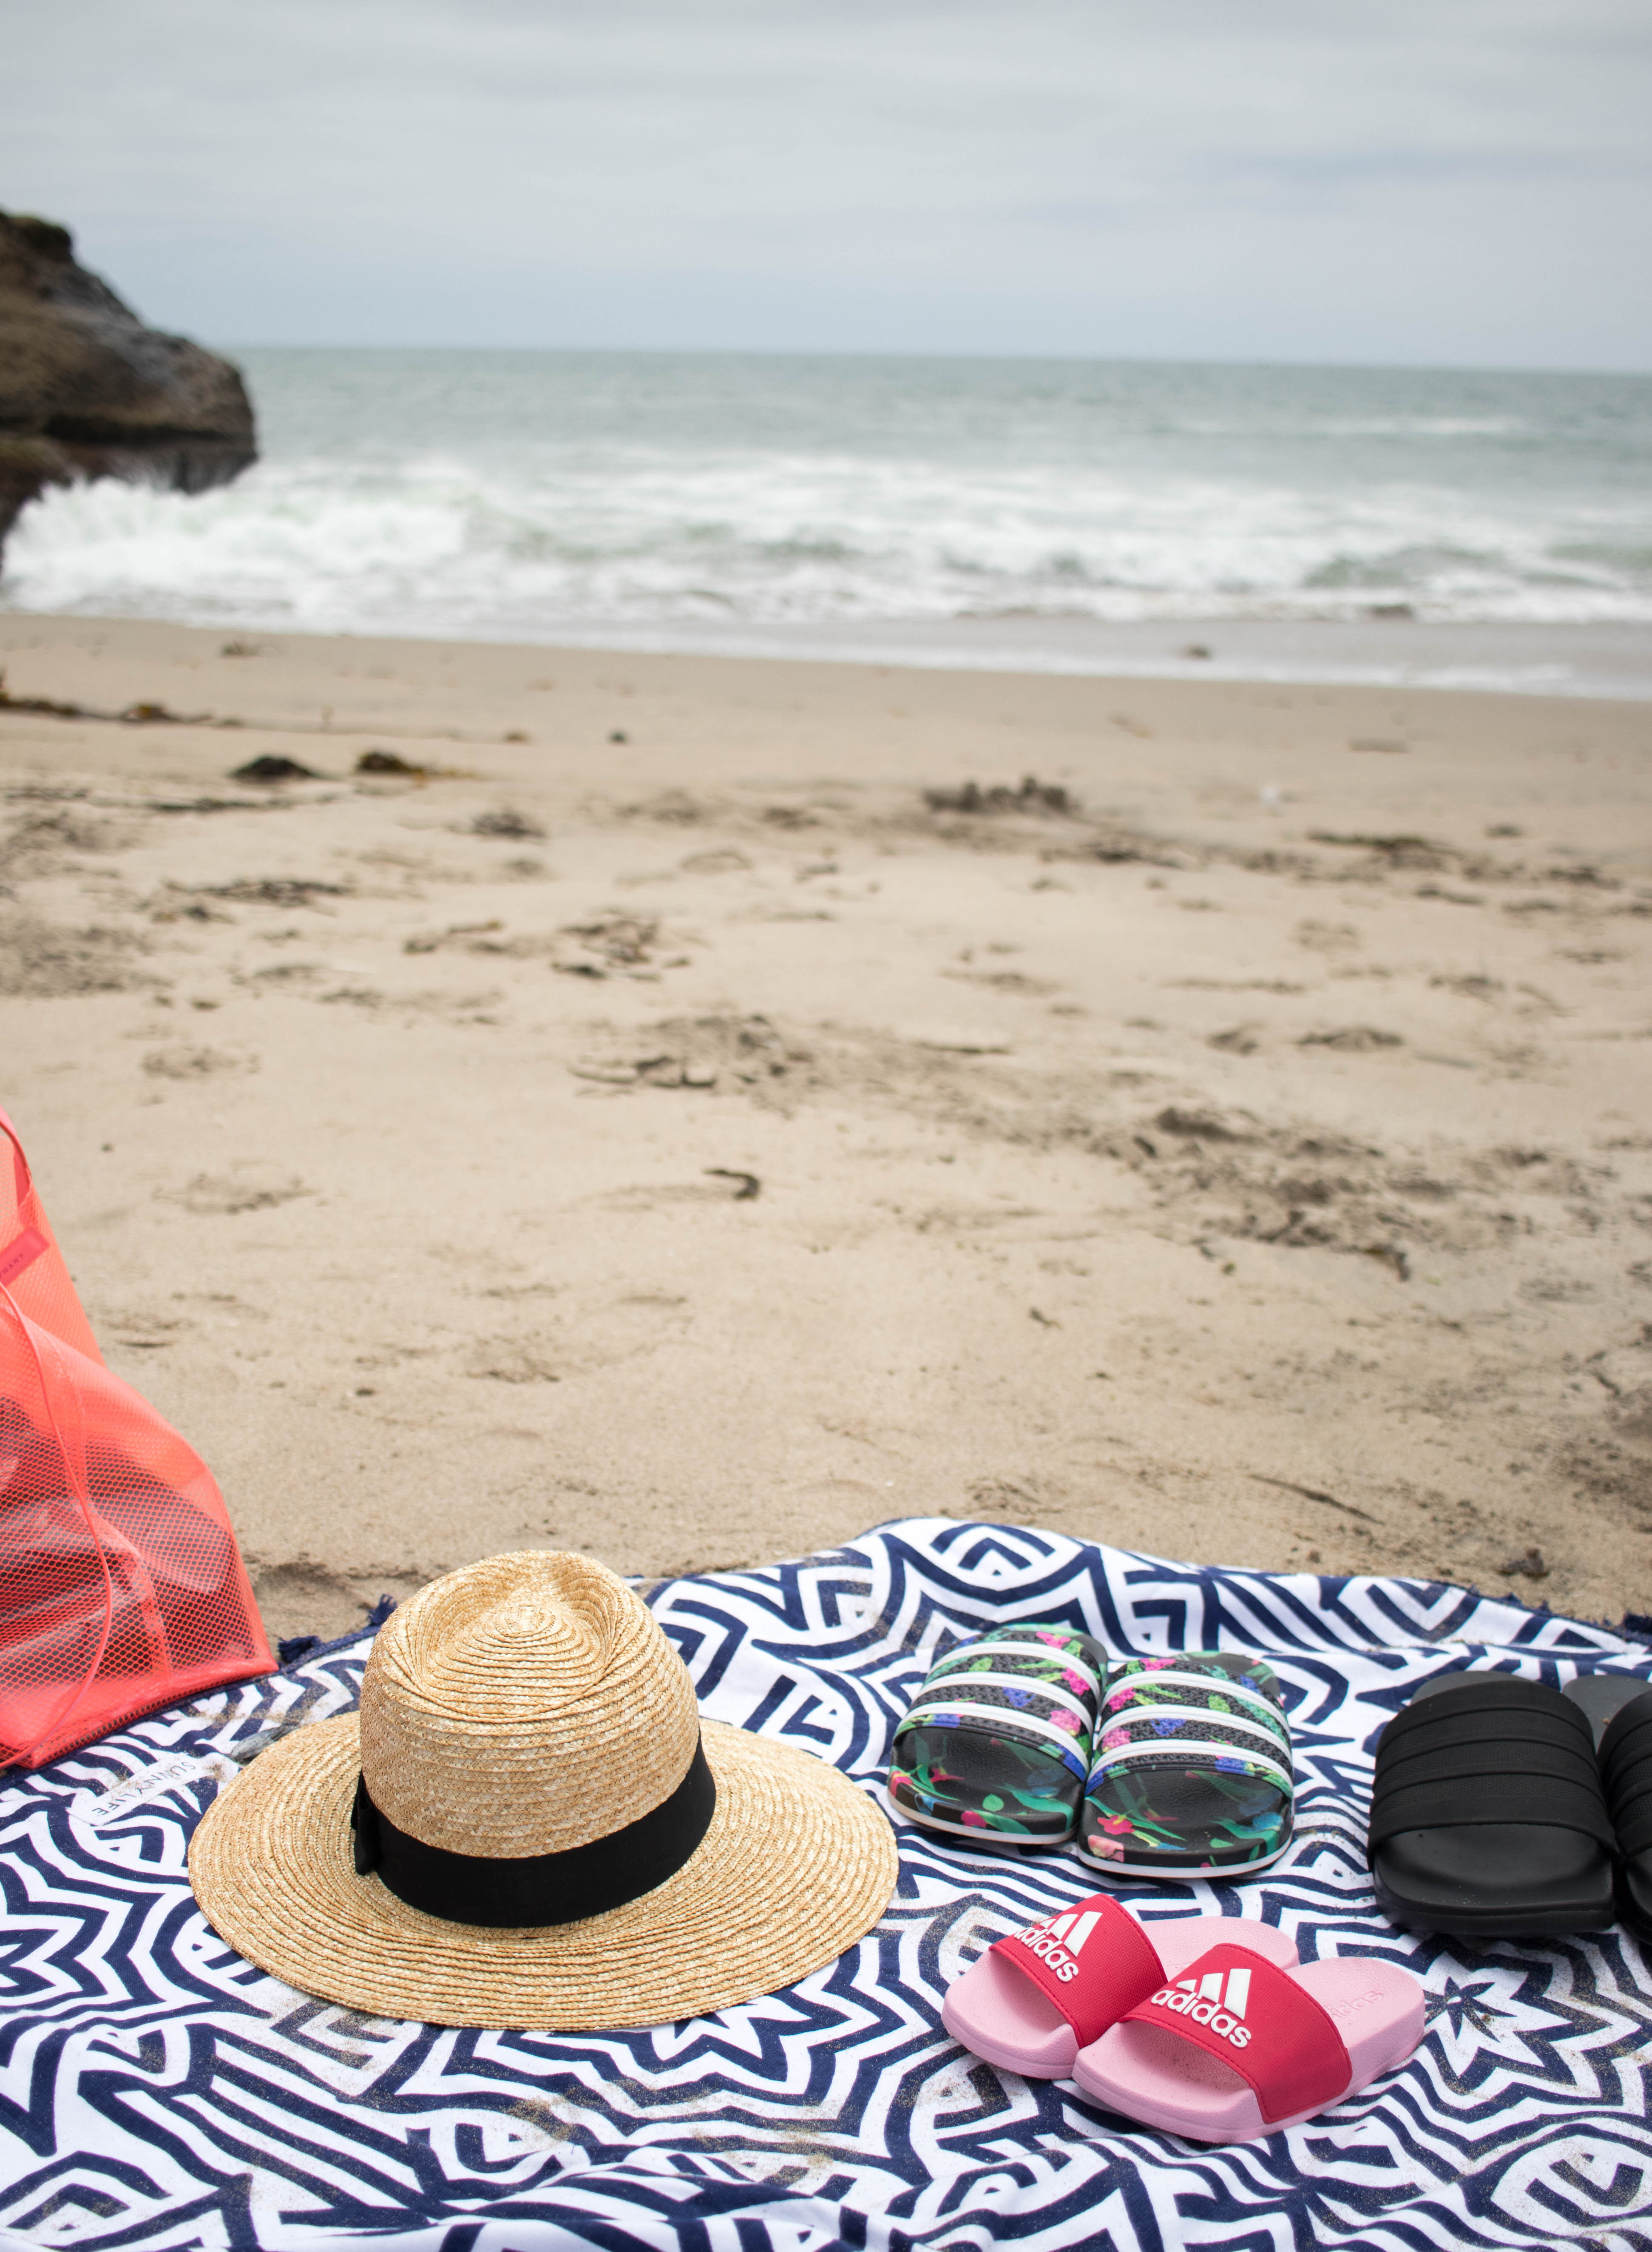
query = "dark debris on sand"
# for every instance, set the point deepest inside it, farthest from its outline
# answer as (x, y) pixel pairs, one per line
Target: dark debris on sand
(389, 763)
(1032, 797)
(271, 767)
(506, 823)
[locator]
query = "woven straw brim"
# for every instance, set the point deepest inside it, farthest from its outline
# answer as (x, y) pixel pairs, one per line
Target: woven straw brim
(797, 1865)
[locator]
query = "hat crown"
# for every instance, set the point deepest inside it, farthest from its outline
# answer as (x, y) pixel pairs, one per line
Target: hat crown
(525, 1705)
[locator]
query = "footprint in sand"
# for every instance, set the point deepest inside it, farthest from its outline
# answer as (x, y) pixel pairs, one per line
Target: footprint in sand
(616, 1329)
(187, 1063)
(45, 960)
(1351, 1039)
(254, 1189)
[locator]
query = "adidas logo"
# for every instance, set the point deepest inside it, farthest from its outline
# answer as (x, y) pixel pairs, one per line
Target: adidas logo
(1058, 1944)
(1207, 2004)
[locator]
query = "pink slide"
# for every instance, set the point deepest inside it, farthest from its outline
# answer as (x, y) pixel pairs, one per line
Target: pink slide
(1035, 1999)
(1235, 2047)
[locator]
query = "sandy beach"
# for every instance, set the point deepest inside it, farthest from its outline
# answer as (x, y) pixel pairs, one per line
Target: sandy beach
(693, 1125)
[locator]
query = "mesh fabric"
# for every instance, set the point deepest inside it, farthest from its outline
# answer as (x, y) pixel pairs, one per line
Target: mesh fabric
(121, 1588)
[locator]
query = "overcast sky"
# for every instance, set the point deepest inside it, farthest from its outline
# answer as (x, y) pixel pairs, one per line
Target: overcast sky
(1388, 181)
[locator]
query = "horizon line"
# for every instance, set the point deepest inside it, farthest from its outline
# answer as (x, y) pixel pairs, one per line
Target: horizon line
(1003, 358)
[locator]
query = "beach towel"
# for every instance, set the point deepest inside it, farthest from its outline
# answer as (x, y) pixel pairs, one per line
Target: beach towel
(157, 2090)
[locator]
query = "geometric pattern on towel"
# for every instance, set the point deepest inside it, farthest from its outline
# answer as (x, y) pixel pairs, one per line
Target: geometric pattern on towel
(156, 2090)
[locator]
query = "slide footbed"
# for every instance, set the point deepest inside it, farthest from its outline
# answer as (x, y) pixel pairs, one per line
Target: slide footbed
(1619, 1708)
(1634, 1896)
(1003, 2018)
(1157, 2077)
(1495, 1880)
(1601, 1697)
(1524, 1877)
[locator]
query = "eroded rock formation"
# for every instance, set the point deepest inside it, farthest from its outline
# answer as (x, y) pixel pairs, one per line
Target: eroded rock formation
(86, 391)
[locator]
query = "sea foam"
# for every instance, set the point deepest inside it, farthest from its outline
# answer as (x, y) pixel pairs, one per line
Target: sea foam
(689, 500)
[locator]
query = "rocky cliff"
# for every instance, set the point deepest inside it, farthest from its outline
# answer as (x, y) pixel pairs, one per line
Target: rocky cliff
(86, 391)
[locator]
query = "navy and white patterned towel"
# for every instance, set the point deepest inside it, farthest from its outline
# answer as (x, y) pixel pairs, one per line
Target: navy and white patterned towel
(158, 2091)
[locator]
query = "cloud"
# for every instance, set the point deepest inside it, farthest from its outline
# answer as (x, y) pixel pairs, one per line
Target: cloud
(1433, 180)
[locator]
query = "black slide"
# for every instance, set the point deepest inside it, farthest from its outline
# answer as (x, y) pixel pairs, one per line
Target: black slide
(1488, 1818)
(1620, 1706)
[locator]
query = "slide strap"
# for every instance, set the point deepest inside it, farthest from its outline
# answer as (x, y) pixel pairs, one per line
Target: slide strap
(1204, 1706)
(1246, 2013)
(1504, 1751)
(1040, 1684)
(1093, 1962)
(1626, 1768)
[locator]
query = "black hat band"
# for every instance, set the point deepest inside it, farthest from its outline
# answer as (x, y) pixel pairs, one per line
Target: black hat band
(502, 1892)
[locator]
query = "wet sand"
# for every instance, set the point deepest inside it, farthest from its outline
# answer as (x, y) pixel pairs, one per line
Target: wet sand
(666, 1130)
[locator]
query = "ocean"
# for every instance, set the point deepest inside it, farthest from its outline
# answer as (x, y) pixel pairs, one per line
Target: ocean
(1484, 529)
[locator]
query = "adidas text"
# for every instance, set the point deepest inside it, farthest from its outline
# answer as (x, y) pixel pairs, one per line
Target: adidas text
(1057, 1942)
(1050, 1950)
(1206, 2005)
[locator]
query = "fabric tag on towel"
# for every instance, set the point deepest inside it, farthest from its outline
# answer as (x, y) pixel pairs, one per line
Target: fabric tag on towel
(97, 1809)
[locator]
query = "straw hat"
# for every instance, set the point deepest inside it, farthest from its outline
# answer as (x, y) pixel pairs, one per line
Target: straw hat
(529, 1825)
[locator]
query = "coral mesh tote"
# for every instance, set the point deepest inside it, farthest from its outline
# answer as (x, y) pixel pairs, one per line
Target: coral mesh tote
(121, 1585)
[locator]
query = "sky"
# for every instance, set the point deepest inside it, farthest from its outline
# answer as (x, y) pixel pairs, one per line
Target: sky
(1462, 183)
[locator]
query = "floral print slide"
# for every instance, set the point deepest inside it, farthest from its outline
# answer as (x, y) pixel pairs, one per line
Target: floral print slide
(996, 1747)
(1191, 1773)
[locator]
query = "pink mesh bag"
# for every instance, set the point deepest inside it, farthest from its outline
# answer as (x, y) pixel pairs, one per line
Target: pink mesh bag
(122, 1587)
